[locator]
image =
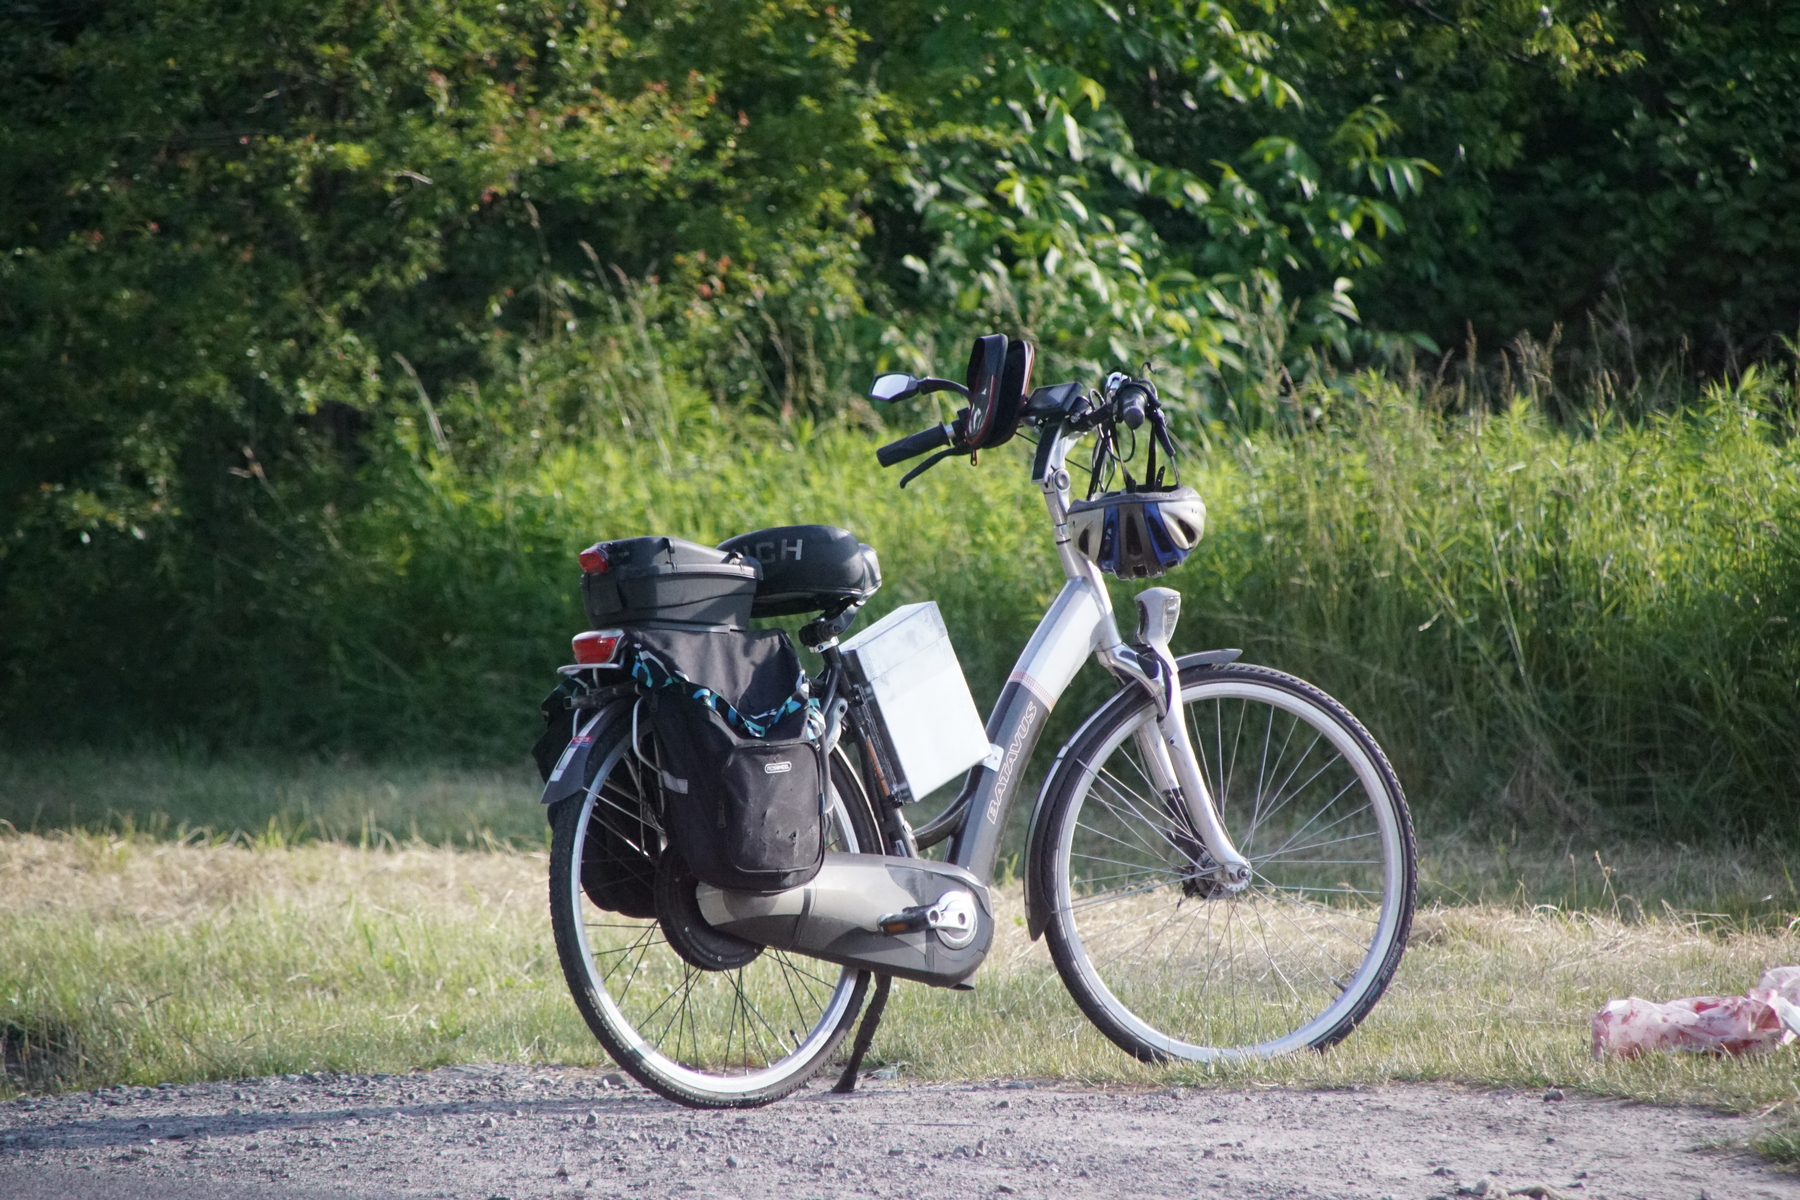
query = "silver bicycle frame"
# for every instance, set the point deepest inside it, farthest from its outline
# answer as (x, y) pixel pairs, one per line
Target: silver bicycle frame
(1080, 623)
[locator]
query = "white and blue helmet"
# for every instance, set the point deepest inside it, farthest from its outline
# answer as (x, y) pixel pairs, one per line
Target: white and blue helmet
(1137, 534)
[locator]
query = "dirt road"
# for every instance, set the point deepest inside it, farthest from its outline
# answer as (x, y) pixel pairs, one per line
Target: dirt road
(474, 1133)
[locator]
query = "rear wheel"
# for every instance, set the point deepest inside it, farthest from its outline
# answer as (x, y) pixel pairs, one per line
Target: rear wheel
(702, 1018)
(1172, 966)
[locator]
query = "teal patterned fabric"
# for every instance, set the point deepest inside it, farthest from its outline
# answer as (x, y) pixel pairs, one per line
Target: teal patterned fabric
(649, 669)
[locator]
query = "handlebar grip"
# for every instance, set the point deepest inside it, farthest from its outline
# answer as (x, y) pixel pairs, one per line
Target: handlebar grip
(1132, 398)
(913, 445)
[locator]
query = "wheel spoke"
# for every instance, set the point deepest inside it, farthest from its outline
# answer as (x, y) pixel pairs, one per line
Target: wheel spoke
(1090, 899)
(1172, 962)
(1256, 814)
(1321, 812)
(1136, 819)
(1275, 808)
(1367, 833)
(758, 1029)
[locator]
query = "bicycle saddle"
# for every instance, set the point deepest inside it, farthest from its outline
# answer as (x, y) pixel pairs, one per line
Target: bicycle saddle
(807, 568)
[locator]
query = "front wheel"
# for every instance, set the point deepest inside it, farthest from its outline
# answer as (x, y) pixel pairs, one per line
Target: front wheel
(1170, 967)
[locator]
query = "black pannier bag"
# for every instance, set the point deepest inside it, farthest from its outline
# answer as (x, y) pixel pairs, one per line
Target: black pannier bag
(618, 858)
(666, 579)
(741, 768)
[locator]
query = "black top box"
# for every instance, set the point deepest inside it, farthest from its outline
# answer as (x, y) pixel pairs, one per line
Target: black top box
(667, 579)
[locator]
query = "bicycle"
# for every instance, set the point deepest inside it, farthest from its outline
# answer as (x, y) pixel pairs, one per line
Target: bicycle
(1220, 858)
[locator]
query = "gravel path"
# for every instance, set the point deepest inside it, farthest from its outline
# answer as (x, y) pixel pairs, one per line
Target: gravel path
(472, 1133)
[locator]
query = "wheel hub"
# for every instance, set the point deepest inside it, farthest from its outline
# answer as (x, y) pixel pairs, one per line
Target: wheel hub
(678, 912)
(1203, 878)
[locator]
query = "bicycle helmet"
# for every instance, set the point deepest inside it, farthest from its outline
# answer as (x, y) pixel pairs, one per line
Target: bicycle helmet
(1136, 534)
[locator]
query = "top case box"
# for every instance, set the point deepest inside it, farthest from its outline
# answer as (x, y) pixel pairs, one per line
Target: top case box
(667, 580)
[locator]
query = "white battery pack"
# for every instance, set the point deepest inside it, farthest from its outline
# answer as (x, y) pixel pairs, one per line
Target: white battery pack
(906, 669)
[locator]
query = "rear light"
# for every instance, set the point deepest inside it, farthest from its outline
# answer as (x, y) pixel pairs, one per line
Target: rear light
(597, 647)
(594, 560)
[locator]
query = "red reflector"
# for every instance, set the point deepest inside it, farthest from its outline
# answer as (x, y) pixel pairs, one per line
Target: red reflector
(594, 560)
(597, 648)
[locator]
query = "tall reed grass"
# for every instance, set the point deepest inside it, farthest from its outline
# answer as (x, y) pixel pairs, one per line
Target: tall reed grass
(1543, 626)
(1546, 625)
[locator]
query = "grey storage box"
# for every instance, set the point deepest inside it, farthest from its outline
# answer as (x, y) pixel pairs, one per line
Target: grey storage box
(665, 579)
(926, 726)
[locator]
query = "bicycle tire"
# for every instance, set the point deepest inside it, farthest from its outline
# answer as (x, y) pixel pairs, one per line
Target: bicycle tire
(1169, 966)
(681, 1055)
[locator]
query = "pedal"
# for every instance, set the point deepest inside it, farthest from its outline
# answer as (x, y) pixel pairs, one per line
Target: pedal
(952, 918)
(907, 920)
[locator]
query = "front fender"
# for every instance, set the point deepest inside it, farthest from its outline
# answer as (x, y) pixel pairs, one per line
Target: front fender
(567, 777)
(1037, 903)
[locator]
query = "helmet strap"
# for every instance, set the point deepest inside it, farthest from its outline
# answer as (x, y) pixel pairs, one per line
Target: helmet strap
(1159, 434)
(1098, 466)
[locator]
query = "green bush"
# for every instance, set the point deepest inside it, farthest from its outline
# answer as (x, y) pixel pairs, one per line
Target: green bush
(1625, 164)
(328, 330)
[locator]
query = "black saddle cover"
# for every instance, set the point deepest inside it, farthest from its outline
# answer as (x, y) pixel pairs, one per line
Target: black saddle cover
(807, 568)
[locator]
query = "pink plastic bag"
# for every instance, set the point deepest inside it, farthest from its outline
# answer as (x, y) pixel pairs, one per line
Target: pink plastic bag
(1784, 981)
(1766, 1017)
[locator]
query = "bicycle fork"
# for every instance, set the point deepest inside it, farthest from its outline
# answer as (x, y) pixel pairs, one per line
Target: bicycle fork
(1216, 866)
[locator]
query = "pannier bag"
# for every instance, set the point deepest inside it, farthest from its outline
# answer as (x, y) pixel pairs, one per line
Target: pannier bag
(741, 767)
(618, 857)
(666, 579)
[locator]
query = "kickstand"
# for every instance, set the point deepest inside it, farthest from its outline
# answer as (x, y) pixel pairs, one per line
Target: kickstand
(865, 1034)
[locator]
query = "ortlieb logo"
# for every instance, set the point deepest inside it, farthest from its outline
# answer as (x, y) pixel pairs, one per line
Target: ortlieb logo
(777, 768)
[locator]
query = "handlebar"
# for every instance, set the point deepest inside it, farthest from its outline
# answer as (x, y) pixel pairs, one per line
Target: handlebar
(1133, 397)
(913, 445)
(1065, 406)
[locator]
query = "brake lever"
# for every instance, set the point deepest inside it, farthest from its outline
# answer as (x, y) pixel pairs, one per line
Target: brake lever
(929, 463)
(1084, 414)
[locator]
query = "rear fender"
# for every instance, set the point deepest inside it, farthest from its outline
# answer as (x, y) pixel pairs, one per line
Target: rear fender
(568, 776)
(1037, 905)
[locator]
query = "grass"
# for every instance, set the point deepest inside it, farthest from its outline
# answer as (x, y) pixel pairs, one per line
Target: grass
(264, 800)
(1592, 625)
(1544, 627)
(156, 793)
(140, 960)
(131, 959)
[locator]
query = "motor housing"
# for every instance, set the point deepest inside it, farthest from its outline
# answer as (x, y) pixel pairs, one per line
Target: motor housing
(839, 917)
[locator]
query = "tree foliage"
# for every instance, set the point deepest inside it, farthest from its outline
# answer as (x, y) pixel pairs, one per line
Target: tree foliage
(1636, 162)
(258, 262)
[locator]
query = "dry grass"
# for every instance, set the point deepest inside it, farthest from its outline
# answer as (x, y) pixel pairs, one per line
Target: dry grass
(1487, 994)
(128, 959)
(266, 799)
(137, 960)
